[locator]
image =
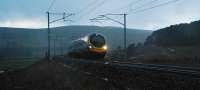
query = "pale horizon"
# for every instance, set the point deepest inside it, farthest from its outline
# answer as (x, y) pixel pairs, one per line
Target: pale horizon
(32, 14)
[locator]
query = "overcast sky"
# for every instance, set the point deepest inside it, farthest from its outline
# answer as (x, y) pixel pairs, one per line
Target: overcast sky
(31, 13)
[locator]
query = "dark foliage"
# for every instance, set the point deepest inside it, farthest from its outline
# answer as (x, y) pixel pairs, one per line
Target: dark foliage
(176, 35)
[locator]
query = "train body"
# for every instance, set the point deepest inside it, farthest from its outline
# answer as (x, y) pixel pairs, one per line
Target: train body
(90, 46)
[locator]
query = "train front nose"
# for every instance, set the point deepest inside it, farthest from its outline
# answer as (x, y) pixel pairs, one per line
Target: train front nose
(97, 44)
(91, 46)
(97, 40)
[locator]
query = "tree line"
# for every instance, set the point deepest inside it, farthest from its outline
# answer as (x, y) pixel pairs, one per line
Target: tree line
(176, 35)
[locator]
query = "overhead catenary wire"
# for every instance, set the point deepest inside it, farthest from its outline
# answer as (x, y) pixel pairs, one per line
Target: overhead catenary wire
(87, 6)
(51, 5)
(141, 6)
(84, 9)
(127, 6)
(95, 8)
(92, 10)
(64, 16)
(152, 7)
(138, 9)
(135, 2)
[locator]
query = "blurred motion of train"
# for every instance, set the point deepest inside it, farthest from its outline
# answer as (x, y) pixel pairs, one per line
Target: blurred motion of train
(90, 46)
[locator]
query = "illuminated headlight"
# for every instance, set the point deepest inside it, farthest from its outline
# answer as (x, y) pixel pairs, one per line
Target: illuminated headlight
(85, 39)
(90, 46)
(105, 47)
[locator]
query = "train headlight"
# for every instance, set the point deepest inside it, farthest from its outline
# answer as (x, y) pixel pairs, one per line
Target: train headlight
(105, 47)
(85, 39)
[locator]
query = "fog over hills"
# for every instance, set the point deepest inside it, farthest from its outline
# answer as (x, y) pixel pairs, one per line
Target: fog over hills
(33, 42)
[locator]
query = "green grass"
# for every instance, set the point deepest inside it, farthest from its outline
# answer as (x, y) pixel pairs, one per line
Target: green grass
(13, 64)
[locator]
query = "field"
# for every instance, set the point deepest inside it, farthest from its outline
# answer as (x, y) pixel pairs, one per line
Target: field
(10, 64)
(183, 56)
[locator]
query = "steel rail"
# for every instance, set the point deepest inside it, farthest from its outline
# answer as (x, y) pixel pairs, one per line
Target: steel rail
(187, 71)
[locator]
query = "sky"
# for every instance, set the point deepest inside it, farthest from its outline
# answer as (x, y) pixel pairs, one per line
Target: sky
(32, 13)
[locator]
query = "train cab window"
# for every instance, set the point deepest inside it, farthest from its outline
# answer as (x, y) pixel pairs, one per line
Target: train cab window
(97, 40)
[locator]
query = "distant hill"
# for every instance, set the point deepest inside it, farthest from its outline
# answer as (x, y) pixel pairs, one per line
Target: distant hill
(176, 35)
(33, 42)
(113, 35)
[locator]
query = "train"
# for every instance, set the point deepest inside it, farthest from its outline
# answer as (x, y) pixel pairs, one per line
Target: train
(91, 46)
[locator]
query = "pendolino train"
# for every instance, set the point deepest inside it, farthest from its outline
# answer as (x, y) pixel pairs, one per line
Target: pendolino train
(90, 46)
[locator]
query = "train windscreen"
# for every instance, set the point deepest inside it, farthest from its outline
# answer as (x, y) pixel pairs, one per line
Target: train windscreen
(97, 40)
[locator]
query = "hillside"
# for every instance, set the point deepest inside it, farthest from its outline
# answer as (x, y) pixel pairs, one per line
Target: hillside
(16, 42)
(177, 45)
(176, 35)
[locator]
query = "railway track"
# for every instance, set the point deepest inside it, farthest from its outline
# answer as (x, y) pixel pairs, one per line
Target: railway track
(94, 66)
(188, 71)
(127, 76)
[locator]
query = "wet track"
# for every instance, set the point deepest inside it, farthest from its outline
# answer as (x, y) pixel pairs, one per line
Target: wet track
(62, 73)
(100, 65)
(124, 75)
